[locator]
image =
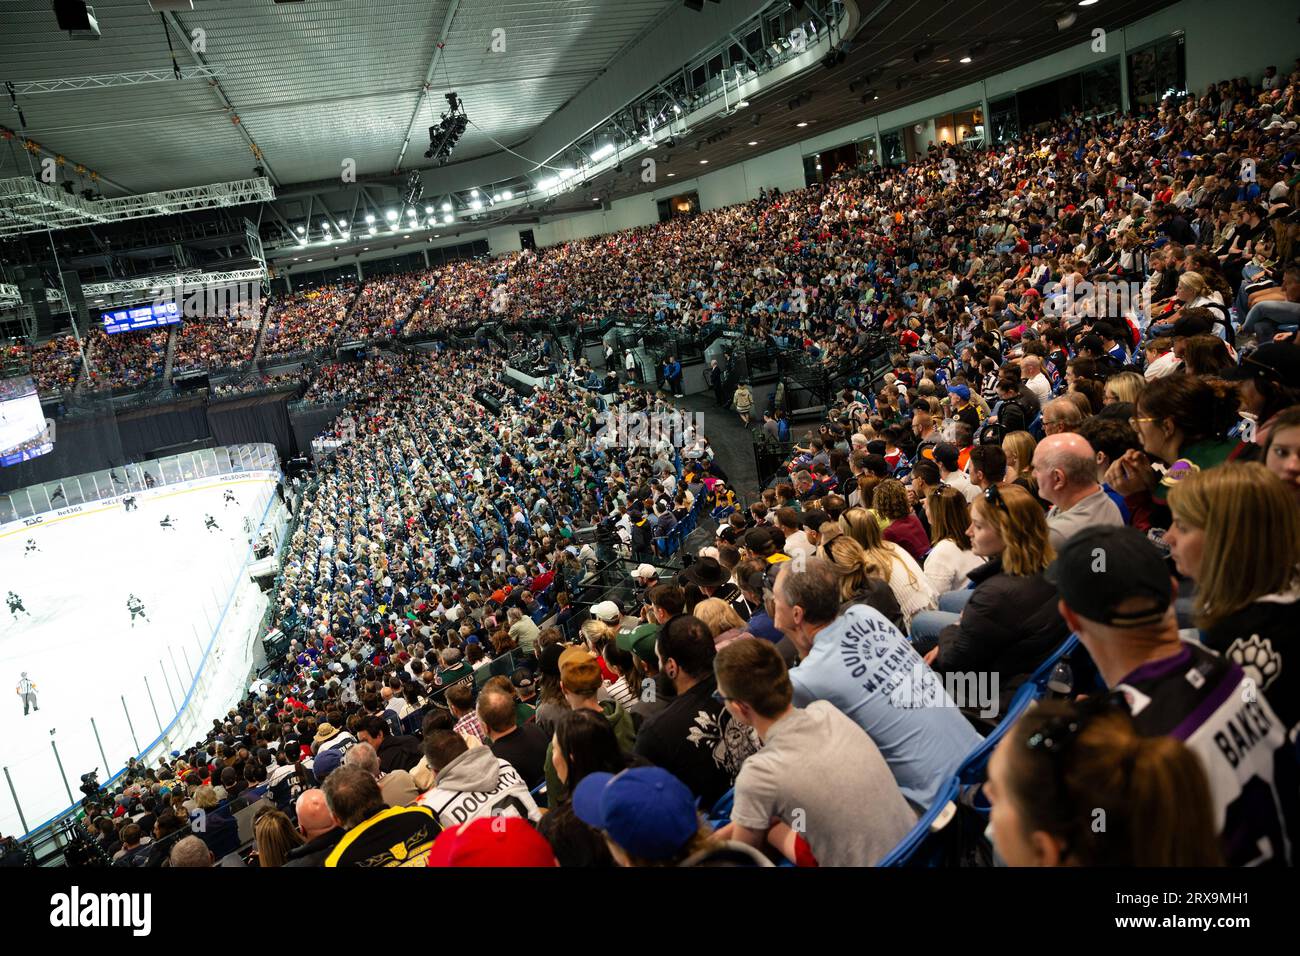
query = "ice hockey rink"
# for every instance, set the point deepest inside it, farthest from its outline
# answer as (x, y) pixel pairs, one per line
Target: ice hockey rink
(78, 644)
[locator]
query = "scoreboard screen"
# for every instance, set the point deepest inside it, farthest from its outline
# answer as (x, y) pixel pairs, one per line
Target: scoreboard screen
(141, 317)
(24, 432)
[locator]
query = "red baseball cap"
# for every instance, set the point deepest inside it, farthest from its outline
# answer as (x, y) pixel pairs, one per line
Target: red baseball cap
(492, 841)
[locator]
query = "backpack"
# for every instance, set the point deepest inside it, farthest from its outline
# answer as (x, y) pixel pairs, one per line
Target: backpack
(782, 429)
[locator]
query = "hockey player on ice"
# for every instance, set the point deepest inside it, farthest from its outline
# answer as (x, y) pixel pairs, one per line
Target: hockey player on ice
(230, 499)
(136, 607)
(129, 504)
(16, 605)
(31, 546)
(210, 523)
(167, 522)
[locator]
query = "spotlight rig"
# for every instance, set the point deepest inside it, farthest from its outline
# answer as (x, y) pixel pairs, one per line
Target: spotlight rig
(444, 137)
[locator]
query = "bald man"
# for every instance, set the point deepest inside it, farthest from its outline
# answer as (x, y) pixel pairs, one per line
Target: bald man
(1065, 467)
(1031, 371)
(317, 825)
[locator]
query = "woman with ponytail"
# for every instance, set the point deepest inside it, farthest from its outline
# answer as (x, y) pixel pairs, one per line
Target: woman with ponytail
(885, 560)
(1073, 784)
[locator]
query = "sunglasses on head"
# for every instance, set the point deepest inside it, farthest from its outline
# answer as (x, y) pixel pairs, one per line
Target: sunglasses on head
(994, 497)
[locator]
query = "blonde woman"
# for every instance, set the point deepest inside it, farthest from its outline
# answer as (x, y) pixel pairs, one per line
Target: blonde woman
(1236, 533)
(1124, 387)
(1019, 448)
(274, 836)
(860, 581)
(891, 563)
(1010, 622)
(722, 621)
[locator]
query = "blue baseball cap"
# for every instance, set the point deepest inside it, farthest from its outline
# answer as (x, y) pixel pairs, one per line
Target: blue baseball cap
(326, 763)
(961, 391)
(646, 810)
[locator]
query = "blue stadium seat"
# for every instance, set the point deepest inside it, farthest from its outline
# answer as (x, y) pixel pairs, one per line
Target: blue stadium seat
(940, 814)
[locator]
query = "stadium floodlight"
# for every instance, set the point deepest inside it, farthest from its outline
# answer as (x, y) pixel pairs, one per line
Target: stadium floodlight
(476, 204)
(372, 230)
(428, 210)
(325, 224)
(446, 207)
(391, 215)
(370, 218)
(448, 217)
(606, 150)
(507, 195)
(473, 193)
(301, 230)
(550, 182)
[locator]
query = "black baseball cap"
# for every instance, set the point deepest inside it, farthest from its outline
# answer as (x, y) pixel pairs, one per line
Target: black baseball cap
(1277, 361)
(1190, 325)
(947, 454)
(813, 519)
(1099, 569)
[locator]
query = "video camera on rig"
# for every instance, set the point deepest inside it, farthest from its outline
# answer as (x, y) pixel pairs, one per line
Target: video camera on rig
(90, 785)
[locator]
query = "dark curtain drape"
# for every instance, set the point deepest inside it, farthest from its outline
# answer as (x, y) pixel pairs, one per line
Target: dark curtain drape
(264, 418)
(310, 422)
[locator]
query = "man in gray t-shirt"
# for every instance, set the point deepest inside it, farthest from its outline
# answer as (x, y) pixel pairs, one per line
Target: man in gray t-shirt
(1065, 468)
(818, 773)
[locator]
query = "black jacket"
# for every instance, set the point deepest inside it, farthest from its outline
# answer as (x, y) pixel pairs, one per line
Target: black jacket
(1009, 626)
(314, 851)
(399, 753)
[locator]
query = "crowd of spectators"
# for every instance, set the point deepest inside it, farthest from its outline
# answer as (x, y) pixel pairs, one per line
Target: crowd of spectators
(1038, 463)
(218, 342)
(307, 320)
(126, 359)
(55, 364)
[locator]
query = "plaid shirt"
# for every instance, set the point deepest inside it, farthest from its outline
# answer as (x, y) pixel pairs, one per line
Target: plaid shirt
(470, 724)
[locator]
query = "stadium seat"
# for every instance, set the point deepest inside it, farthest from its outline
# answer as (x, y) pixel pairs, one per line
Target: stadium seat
(939, 816)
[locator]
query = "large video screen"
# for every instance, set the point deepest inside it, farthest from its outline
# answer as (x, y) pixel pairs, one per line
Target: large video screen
(23, 432)
(141, 317)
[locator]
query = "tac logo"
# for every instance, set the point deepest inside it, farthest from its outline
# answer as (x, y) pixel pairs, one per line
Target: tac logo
(28, 522)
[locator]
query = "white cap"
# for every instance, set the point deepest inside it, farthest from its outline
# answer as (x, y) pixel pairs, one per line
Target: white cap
(606, 611)
(645, 571)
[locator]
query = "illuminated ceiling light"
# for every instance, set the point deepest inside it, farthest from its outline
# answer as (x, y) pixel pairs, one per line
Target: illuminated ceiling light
(474, 193)
(801, 125)
(606, 150)
(964, 59)
(391, 215)
(507, 195)
(325, 225)
(476, 205)
(370, 217)
(671, 175)
(448, 217)
(301, 230)
(428, 210)
(342, 224)
(742, 104)
(446, 207)
(753, 142)
(1086, 3)
(412, 213)
(372, 230)
(704, 162)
